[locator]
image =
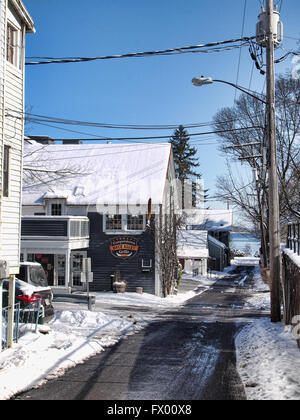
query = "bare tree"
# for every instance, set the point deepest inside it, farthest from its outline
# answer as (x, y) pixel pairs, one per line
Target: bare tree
(249, 112)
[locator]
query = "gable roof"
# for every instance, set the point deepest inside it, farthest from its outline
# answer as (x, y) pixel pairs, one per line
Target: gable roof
(88, 174)
(211, 220)
(192, 244)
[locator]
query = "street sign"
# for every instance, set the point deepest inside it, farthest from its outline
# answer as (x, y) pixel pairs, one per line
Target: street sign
(87, 277)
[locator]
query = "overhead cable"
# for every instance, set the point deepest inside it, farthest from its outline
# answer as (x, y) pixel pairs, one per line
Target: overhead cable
(192, 48)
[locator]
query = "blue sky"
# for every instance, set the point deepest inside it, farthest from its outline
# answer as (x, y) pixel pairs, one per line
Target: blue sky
(153, 90)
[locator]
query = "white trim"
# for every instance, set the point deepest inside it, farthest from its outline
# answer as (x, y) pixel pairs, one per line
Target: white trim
(124, 229)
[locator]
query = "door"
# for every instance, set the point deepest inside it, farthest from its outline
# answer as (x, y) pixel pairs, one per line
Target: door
(77, 268)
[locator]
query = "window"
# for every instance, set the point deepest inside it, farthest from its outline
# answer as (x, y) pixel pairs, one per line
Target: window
(6, 171)
(61, 270)
(56, 210)
(135, 222)
(124, 223)
(113, 222)
(77, 267)
(12, 45)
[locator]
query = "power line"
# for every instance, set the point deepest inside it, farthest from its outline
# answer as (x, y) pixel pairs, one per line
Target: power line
(37, 118)
(193, 48)
(157, 137)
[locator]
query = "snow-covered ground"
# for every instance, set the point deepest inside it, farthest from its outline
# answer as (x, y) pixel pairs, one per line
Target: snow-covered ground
(75, 335)
(268, 357)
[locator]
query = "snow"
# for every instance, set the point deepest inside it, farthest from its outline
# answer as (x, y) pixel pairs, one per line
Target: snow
(206, 219)
(268, 358)
(75, 335)
(269, 361)
(192, 244)
(293, 256)
(126, 174)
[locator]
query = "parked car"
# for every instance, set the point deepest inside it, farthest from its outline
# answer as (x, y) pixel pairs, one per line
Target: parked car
(33, 273)
(31, 285)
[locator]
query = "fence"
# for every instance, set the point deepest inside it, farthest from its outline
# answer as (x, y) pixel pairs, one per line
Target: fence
(291, 276)
(24, 319)
(16, 330)
(293, 237)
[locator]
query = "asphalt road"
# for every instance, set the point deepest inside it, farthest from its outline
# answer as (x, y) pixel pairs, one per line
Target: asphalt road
(185, 354)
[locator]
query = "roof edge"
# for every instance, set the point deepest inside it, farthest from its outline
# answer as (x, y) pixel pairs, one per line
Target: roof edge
(22, 11)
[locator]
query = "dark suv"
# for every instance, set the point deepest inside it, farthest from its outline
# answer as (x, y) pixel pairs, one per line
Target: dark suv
(31, 285)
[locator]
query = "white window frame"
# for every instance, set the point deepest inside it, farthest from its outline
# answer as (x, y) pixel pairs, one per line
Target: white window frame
(16, 47)
(49, 204)
(124, 228)
(6, 153)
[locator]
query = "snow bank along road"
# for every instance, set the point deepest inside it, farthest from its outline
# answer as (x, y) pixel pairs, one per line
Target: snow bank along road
(184, 354)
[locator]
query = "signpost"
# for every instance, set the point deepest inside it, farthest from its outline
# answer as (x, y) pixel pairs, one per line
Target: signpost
(87, 277)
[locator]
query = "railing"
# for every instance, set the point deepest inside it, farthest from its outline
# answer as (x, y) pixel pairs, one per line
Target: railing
(24, 319)
(293, 237)
(16, 330)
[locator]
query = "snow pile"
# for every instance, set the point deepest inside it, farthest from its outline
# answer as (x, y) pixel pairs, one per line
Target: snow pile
(268, 358)
(268, 361)
(261, 299)
(142, 300)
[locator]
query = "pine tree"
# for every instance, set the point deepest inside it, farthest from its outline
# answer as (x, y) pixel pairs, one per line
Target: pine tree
(184, 158)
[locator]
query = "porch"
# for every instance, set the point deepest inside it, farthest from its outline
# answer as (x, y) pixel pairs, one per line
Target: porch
(59, 244)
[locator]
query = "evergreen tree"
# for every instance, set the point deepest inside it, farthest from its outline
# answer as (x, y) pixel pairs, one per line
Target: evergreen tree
(184, 157)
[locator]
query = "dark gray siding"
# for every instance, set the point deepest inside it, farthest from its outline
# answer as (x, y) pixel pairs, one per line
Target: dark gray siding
(44, 228)
(104, 263)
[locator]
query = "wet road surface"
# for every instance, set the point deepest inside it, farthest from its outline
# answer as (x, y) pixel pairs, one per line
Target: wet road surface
(184, 354)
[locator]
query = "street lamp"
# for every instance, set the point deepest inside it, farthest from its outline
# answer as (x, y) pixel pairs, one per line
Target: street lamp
(274, 224)
(200, 81)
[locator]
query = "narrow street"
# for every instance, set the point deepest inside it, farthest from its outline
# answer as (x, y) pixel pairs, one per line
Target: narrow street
(185, 354)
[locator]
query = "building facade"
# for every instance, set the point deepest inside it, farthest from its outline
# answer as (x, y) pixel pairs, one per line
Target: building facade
(15, 22)
(106, 208)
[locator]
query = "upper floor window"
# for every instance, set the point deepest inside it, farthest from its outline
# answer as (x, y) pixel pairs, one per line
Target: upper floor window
(14, 45)
(135, 222)
(124, 222)
(6, 157)
(113, 222)
(11, 44)
(56, 209)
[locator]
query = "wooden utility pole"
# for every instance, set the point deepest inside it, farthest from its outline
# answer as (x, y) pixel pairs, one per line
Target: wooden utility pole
(274, 225)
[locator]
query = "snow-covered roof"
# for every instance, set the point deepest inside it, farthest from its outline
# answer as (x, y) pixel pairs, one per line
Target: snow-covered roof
(192, 244)
(211, 220)
(216, 242)
(88, 174)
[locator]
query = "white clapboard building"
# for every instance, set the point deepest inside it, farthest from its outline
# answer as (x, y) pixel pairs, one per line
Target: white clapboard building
(15, 22)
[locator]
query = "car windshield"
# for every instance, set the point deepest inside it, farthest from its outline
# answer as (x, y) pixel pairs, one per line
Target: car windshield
(38, 276)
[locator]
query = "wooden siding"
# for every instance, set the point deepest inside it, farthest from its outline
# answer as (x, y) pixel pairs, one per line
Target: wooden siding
(104, 263)
(44, 228)
(11, 134)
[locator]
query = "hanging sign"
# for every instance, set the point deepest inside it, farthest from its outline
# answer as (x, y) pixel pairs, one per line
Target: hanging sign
(123, 247)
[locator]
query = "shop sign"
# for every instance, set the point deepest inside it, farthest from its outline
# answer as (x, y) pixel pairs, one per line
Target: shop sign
(123, 247)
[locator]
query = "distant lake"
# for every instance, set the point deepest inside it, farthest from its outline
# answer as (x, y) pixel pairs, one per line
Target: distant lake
(241, 240)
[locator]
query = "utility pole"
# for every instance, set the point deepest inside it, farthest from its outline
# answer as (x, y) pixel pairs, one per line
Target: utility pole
(274, 224)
